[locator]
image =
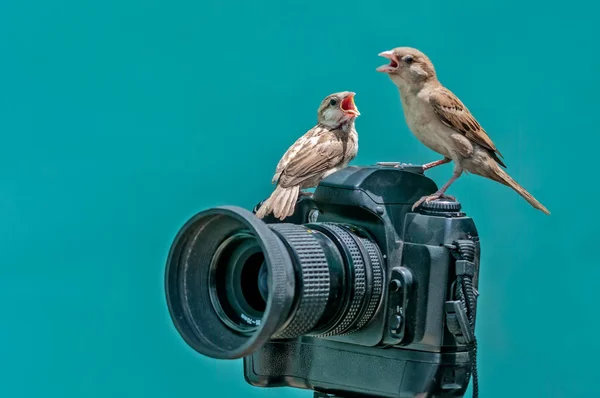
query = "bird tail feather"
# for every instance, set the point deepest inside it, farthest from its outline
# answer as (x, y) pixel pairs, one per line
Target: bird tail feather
(502, 177)
(281, 203)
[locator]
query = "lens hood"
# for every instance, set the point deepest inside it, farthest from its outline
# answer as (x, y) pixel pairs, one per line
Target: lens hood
(188, 283)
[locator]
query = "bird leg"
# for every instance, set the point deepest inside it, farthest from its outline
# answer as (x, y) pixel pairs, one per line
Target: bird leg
(441, 192)
(431, 165)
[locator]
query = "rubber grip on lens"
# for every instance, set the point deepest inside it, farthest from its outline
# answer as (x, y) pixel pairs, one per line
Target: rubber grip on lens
(314, 279)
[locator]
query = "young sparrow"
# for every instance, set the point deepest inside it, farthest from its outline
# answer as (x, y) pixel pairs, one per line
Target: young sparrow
(324, 149)
(444, 124)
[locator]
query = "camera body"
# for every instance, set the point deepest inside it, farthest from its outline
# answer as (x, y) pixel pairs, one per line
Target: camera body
(414, 344)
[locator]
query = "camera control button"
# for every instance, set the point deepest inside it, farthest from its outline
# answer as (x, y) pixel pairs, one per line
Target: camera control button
(395, 285)
(396, 321)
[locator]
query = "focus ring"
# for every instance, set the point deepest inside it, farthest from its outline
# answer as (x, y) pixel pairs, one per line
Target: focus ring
(314, 279)
(359, 283)
(376, 264)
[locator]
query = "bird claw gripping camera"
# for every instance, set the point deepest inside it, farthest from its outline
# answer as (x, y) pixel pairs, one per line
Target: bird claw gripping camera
(354, 295)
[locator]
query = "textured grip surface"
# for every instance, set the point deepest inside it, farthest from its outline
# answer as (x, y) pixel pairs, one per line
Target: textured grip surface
(377, 264)
(314, 279)
(359, 283)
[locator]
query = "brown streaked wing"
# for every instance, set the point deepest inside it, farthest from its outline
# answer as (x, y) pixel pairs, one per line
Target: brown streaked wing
(454, 114)
(313, 159)
(292, 152)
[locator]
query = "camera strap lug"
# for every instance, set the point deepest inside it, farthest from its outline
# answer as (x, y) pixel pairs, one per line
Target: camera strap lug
(457, 322)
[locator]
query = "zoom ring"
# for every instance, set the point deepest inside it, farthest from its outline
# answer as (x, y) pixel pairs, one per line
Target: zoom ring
(376, 263)
(315, 279)
(359, 292)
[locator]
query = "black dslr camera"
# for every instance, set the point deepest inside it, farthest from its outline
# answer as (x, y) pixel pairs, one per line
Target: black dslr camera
(354, 295)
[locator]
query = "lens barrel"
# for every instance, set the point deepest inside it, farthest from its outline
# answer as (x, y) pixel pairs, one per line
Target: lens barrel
(233, 282)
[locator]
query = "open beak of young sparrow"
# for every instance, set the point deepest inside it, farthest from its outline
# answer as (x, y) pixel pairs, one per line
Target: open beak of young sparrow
(392, 66)
(348, 106)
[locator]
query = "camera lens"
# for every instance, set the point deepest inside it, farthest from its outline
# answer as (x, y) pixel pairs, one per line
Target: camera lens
(233, 282)
(263, 281)
(235, 286)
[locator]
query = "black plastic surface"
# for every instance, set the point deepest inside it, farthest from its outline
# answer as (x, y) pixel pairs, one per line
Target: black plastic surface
(346, 370)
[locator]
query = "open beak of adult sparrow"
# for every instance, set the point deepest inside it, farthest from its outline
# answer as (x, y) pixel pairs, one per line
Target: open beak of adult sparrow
(392, 66)
(348, 106)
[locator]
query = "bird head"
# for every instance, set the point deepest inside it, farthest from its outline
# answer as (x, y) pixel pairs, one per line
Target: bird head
(407, 67)
(337, 109)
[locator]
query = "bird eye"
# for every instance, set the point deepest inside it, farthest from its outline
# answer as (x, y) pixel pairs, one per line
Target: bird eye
(333, 102)
(409, 59)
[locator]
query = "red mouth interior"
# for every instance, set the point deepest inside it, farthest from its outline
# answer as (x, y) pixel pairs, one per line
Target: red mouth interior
(393, 64)
(348, 104)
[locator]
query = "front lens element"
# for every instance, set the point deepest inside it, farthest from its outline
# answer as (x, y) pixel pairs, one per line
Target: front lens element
(233, 281)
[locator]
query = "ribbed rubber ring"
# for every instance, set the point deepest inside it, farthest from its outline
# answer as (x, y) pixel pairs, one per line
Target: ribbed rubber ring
(358, 285)
(314, 283)
(377, 283)
(442, 205)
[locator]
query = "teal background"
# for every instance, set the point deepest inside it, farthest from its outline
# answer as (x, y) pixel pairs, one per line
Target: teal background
(121, 119)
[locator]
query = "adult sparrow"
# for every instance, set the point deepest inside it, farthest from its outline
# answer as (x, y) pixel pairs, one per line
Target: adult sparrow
(324, 149)
(444, 124)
